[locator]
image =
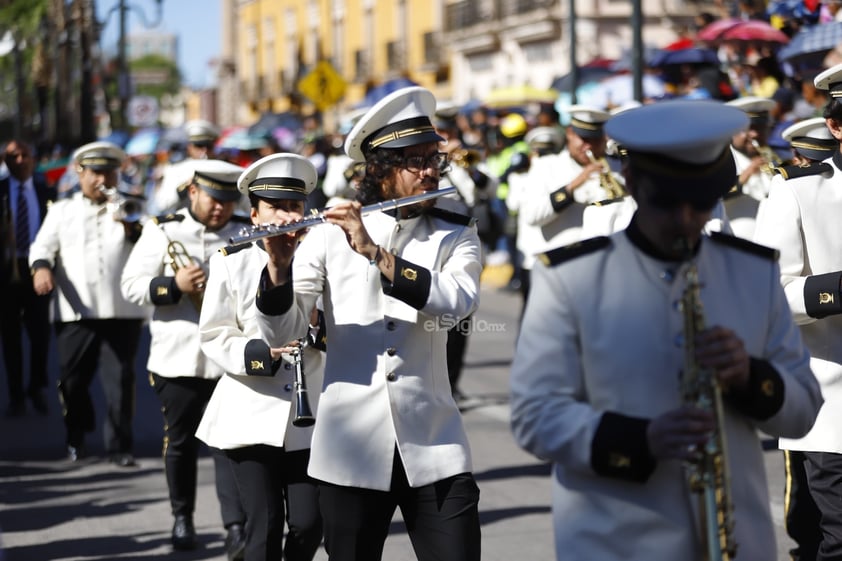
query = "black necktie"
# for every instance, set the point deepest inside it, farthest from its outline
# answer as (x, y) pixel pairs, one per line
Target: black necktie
(22, 223)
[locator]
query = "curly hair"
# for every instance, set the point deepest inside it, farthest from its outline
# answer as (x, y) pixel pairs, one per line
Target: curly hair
(379, 168)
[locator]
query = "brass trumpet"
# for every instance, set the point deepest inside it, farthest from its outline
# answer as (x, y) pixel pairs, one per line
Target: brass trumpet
(606, 179)
(124, 207)
(465, 158)
(179, 259)
(770, 158)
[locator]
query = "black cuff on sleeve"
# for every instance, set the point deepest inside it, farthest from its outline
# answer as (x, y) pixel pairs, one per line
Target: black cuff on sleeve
(40, 264)
(620, 448)
(411, 285)
(164, 291)
(561, 199)
(274, 301)
(765, 393)
(258, 358)
(821, 295)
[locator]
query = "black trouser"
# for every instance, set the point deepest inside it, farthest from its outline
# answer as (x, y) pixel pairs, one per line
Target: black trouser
(272, 483)
(457, 343)
(802, 516)
(183, 400)
(824, 476)
(111, 345)
(20, 304)
(442, 519)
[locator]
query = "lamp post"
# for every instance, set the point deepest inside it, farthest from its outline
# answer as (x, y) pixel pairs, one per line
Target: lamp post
(124, 79)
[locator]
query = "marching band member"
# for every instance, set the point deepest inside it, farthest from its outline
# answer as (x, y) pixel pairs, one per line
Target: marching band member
(753, 157)
(249, 415)
(171, 194)
(801, 220)
(80, 252)
(388, 433)
(167, 270)
(617, 415)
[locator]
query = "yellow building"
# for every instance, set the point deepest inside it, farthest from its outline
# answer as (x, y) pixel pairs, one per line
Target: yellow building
(366, 42)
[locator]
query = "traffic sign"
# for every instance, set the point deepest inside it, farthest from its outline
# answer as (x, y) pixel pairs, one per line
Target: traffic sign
(323, 86)
(143, 111)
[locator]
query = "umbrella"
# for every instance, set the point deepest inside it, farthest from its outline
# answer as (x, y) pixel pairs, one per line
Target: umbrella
(519, 95)
(684, 56)
(815, 40)
(754, 30)
(714, 30)
(268, 122)
(377, 93)
(241, 139)
(143, 142)
(586, 74)
(618, 90)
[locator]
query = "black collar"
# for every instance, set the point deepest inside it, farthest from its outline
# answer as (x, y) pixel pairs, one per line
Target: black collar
(640, 241)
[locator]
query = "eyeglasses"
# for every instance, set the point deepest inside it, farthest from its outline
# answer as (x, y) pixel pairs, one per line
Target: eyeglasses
(416, 164)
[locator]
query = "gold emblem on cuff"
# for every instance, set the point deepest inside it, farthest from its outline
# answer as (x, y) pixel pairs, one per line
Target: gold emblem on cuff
(619, 460)
(162, 291)
(257, 365)
(409, 274)
(559, 196)
(825, 298)
(767, 387)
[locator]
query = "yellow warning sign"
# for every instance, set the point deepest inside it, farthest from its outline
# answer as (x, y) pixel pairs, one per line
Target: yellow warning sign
(323, 86)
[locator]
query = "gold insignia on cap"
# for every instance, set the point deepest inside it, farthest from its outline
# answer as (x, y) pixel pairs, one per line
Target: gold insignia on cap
(619, 460)
(257, 365)
(826, 298)
(162, 291)
(409, 274)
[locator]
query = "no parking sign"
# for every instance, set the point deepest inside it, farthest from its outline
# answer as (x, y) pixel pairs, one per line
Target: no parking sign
(143, 111)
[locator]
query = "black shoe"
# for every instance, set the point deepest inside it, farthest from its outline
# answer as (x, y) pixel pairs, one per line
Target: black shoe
(39, 402)
(235, 542)
(16, 408)
(183, 533)
(75, 453)
(123, 460)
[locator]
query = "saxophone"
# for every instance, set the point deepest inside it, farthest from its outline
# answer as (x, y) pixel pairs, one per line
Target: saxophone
(707, 473)
(606, 179)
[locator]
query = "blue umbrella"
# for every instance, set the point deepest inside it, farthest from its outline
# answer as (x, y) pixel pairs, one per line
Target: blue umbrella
(684, 56)
(377, 93)
(144, 142)
(812, 41)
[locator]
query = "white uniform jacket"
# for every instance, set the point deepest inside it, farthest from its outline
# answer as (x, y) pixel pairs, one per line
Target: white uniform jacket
(149, 280)
(549, 214)
(86, 250)
(600, 353)
(386, 383)
(744, 205)
(801, 219)
(247, 409)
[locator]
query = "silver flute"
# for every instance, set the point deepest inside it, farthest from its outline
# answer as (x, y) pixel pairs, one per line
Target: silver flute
(260, 231)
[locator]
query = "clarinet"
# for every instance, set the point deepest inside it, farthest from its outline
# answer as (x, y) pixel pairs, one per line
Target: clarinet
(303, 414)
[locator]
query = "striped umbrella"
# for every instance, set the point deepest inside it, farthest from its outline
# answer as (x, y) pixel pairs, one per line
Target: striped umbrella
(815, 40)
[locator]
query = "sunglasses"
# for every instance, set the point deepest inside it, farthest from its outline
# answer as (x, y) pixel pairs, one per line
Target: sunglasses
(439, 161)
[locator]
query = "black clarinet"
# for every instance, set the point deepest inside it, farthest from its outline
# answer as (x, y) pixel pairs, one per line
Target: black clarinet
(303, 414)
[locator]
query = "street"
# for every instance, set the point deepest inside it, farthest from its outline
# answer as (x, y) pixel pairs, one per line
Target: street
(55, 510)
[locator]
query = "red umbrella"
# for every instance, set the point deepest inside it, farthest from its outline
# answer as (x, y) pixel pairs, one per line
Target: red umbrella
(755, 30)
(713, 30)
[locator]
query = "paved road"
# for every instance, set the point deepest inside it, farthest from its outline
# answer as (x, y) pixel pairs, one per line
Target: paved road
(53, 510)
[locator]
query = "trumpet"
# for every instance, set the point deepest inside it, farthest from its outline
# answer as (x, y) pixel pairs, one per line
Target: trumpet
(303, 414)
(179, 259)
(124, 207)
(257, 232)
(465, 158)
(606, 179)
(770, 158)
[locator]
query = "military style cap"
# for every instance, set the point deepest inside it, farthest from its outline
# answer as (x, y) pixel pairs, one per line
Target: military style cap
(217, 178)
(279, 176)
(402, 118)
(544, 137)
(200, 131)
(757, 108)
(99, 156)
(588, 122)
(681, 147)
(830, 80)
(811, 138)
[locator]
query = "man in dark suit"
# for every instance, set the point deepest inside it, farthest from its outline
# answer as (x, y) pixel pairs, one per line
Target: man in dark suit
(23, 204)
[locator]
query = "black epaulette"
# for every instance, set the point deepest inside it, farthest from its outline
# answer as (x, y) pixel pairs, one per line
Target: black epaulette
(553, 257)
(232, 249)
(171, 217)
(606, 202)
(240, 219)
(813, 168)
(449, 216)
(745, 245)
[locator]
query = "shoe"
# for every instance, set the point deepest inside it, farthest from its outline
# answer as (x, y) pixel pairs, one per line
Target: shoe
(183, 533)
(235, 542)
(16, 409)
(122, 459)
(76, 453)
(39, 402)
